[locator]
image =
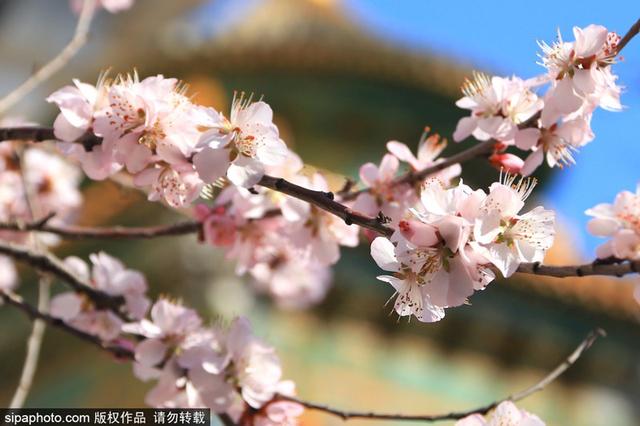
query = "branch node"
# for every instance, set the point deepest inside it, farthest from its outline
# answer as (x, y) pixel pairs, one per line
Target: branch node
(348, 219)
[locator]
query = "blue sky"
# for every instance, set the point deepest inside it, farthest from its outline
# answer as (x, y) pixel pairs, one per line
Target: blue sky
(500, 36)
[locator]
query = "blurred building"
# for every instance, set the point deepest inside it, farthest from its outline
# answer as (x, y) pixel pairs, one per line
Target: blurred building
(340, 92)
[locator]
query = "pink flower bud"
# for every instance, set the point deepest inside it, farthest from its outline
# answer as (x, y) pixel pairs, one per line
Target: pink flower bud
(508, 162)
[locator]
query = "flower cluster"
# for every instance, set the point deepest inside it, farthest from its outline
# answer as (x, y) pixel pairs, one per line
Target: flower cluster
(227, 370)
(109, 276)
(168, 143)
(34, 183)
(506, 413)
(385, 195)
(442, 252)
(553, 125)
(287, 254)
(621, 222)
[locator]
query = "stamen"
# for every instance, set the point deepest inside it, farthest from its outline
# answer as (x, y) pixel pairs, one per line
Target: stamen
(477, 85)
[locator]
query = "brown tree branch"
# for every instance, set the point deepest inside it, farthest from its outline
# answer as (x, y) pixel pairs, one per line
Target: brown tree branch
(42, 134)
(325, 201)
(33, 313)
(553, 375)
(631, 33)
(114, 233)
(412, 177)
(48, 263)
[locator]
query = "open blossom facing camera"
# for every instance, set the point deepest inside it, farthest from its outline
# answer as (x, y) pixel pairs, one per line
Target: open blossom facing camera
(580, 71)
(442, 255)
(503, 235)
(554, 141)
(621, 222)
(242, 145)
(497, 106)
(505, 414)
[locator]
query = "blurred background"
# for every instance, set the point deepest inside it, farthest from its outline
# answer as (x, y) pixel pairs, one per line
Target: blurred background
(344, 77)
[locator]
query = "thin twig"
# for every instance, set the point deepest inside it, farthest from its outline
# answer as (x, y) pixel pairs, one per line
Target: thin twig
(34, 342)
(48, 263)
(115, 232)
(33, 313)
(560, 369)
(60, 60)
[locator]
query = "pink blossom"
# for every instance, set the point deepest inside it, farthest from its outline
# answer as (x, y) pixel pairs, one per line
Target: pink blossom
(150, 120)
(176, 184)
(54, 181)
(49, 181)
(580, 72)
(242, 145)
(8, 274)
(170, 324)
(256, 365)
(413, 297)
(224, 370)
(510, 163)
(73, 309)
(429, 148)
(505, 414)
(441, 255)
(108, 275)
(280, 412)
(504, 236)
(555, 141)
(293, 280)
(78, 104)
(384, 194)
(498, 105)
(218, 226)
(621, 222)
(314, 231)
